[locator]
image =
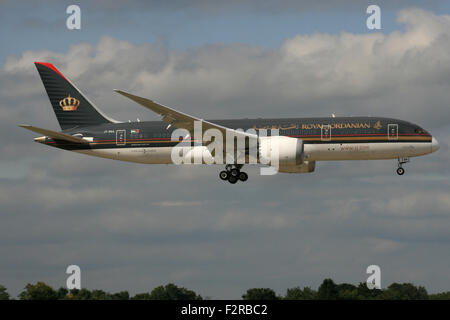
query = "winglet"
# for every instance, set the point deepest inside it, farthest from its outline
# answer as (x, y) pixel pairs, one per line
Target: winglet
(132, 96)
(121, 92)
(167, 112)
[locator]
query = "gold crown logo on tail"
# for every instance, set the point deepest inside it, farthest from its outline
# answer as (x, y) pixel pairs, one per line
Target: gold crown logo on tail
(69, 103)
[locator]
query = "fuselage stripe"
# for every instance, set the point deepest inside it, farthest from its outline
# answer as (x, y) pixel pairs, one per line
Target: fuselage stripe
(353, 136)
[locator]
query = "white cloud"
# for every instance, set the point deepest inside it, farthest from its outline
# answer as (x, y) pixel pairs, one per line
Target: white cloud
(416, 204)
(179, 203)
(176, 221)
(352, 73)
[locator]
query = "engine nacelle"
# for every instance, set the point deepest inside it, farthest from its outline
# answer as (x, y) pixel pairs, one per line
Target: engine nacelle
(286, 151)
(305, 167)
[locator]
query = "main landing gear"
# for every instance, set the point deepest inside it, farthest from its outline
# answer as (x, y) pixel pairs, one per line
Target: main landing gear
(400, 163)
(233, 173)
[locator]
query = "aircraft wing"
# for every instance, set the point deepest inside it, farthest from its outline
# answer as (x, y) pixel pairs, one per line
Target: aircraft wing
(182, 120)
(54, 134)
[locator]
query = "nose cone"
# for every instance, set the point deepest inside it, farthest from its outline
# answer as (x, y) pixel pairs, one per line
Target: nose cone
(434, 145)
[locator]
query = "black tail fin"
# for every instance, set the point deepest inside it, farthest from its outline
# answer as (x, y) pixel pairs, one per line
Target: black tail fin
(71, 107)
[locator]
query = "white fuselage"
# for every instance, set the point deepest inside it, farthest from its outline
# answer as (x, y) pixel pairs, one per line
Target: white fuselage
(312, 152)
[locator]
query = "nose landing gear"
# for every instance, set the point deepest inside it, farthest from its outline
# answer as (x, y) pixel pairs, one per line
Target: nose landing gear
(233, 173)
(400, 163)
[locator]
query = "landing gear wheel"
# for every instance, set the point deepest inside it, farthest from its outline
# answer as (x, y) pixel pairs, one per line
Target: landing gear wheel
(235, 172)
(232, 179)
(223, 175)
(243, 176)
(400, 163)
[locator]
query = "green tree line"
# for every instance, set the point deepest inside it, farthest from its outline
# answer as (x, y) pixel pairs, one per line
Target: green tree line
(328, 290)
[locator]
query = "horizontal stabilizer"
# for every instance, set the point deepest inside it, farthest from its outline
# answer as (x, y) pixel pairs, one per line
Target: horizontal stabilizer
(54, 134)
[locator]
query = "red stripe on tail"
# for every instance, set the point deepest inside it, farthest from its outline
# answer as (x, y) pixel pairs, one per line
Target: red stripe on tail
(52, 67)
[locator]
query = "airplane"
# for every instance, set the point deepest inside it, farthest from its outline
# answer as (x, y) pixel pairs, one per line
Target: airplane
(300, 141)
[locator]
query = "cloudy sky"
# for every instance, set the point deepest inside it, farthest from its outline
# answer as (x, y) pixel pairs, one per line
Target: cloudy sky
(134, 227)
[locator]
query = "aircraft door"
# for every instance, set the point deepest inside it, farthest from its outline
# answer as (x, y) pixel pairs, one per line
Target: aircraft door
(325, 134)
(120, 137)
(393, 131)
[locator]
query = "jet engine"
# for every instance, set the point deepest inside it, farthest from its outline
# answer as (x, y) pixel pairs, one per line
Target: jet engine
(284, 150)
(286, 153)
